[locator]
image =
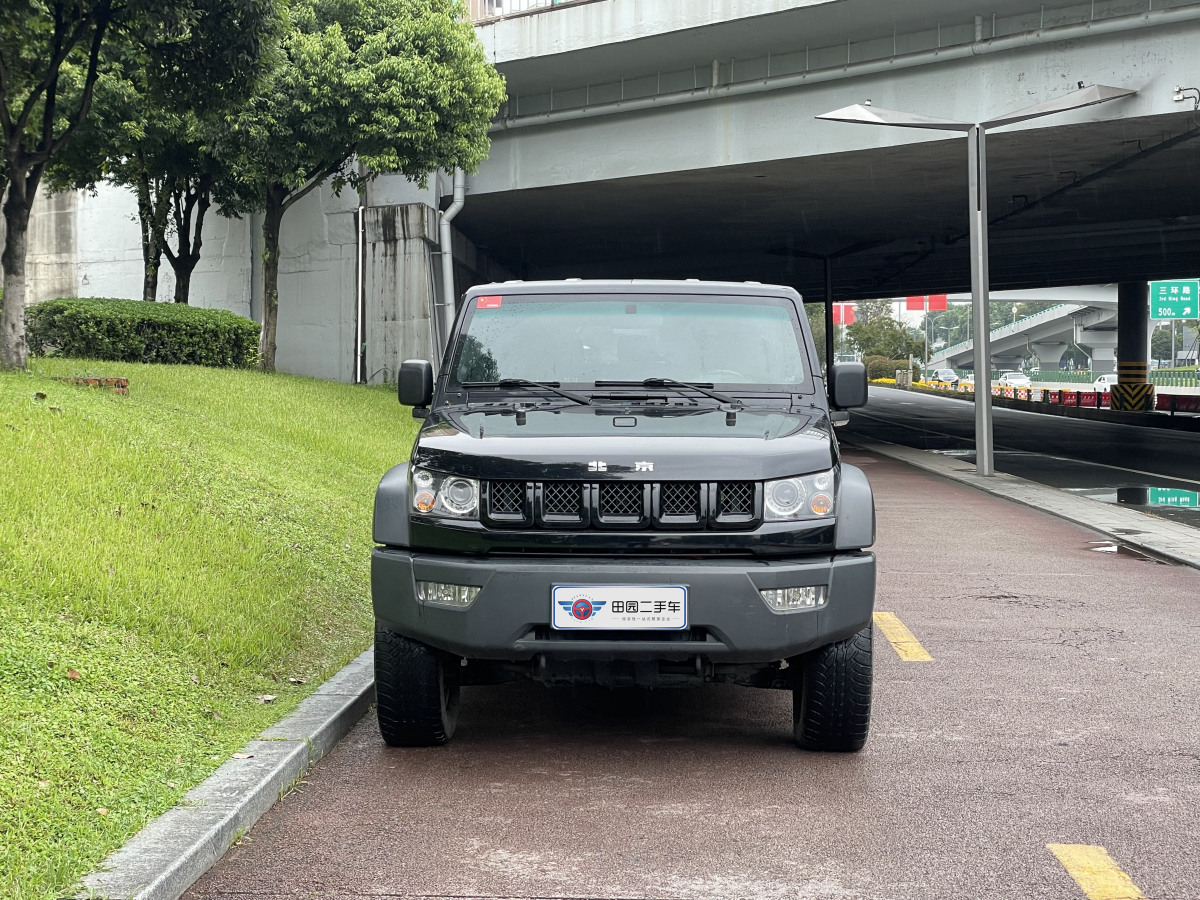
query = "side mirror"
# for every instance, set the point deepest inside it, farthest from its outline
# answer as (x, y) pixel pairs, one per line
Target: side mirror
(415, 384)
(849, 387)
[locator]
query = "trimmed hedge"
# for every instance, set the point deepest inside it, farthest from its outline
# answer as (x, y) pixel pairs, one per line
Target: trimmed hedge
(138, 331)
(880, 367)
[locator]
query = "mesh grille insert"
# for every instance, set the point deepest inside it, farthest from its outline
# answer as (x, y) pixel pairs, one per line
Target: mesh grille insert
(620, 499)
(680, 498)
(508, 497)
(562, 498)
(737, 498)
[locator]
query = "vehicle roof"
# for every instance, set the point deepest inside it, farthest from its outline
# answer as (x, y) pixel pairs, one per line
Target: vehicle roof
(570, 286)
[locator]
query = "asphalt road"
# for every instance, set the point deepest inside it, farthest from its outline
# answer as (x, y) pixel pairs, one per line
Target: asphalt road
(1108, 462)
(1060, 707)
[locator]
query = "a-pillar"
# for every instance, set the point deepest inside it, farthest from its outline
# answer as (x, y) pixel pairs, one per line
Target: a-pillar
(1133, 390)
(1049, 354)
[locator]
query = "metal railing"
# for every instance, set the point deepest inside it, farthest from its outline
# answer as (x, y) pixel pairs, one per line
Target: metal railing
(484, 10)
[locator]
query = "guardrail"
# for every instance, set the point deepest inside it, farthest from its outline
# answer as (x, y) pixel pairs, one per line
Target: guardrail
(485, 10)
(1170, 403)
(1174, 378)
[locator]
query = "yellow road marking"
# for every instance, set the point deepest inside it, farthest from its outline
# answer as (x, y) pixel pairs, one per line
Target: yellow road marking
(902, 640)
(1094, 871)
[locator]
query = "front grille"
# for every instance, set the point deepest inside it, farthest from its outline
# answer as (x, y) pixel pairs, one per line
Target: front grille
(579, 505)
(620, 498)
(562, 498)
(681, 498)
(736, 498)
(507, 497)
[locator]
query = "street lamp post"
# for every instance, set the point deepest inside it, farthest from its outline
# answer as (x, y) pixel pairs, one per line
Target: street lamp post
(977, 185)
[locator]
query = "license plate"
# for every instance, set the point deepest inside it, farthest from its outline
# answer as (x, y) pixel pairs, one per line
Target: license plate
(619, 606)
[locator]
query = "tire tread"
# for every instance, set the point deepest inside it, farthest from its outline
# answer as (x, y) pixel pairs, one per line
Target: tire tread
(832, 705)
(408, 692)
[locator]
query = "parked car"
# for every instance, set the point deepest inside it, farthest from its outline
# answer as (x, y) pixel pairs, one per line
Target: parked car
(712, 535)
(946, 376)
(1103, 383)
(1015, 379)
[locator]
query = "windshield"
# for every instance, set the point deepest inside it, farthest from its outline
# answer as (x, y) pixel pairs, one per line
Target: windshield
(581, 340)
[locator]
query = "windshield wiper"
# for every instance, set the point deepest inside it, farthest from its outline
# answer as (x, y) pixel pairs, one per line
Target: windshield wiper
(677, 385)
(551, 386)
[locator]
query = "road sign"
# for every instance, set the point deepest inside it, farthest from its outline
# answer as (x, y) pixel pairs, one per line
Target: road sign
(1174, 299)
(1168, 497)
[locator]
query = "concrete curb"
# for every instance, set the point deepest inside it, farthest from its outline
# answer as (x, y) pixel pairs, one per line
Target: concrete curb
(166, 857)
(1158, 537)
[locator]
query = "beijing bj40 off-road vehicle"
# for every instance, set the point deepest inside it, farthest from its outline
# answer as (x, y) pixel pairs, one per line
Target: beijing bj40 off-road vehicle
(626, 484)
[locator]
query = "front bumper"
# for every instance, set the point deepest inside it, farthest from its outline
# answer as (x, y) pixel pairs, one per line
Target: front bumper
(728, 620)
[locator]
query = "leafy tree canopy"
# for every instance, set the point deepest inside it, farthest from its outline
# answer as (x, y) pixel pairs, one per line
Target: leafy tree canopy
(398, 85)
(363, 87)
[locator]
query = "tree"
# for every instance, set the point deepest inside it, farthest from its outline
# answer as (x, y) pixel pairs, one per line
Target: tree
(396, 85)
(1161, 340)
(53, 52)
(876, 332)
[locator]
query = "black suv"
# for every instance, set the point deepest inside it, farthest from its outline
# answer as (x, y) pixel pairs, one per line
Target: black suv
(626, 484)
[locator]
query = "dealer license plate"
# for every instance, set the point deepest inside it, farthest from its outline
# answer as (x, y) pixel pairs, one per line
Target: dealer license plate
(619, 606)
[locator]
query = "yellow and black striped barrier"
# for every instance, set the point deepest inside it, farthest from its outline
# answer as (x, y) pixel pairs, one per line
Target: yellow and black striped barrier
(1132, 397)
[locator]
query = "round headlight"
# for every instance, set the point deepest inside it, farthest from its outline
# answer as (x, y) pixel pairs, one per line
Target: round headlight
(784, 498)
(458, 494)
(823, 481)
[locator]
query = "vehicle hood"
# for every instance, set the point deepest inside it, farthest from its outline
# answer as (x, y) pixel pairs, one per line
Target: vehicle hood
(673, 443)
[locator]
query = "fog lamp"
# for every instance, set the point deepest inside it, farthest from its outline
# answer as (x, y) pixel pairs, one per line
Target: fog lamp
(440, 594)
(792, 598)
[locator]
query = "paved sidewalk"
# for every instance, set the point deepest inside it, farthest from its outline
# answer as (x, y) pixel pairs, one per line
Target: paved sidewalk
(1155, 535)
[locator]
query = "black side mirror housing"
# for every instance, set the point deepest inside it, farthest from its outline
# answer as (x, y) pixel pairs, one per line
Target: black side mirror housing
(849, 385)
(415, 384)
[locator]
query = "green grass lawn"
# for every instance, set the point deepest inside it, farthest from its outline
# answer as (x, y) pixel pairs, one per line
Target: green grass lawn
(166, 558)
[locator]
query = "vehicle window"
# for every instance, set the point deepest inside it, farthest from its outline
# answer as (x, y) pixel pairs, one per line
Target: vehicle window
(584, 339)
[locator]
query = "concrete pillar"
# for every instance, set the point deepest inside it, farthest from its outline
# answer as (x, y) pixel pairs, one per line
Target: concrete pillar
(1133, 392)
(1133, 331)
(1102, 343)
(1049, 354)
(399, 284)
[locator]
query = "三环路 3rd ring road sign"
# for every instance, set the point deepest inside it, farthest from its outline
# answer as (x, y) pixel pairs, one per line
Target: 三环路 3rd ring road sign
(1174, 299)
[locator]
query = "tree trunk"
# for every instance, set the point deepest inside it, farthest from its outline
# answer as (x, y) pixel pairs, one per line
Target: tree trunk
(154, 203)
(150, 259)
(195, 199)
(271, 222)
(17, 204)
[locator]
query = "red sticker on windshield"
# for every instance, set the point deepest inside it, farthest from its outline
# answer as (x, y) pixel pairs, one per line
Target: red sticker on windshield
(488, 302)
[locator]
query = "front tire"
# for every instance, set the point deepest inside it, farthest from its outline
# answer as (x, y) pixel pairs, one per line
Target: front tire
(416, 693)
(831, 706)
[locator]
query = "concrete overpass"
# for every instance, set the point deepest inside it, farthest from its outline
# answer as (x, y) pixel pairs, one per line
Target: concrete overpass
(1088, 319)
(684, 144)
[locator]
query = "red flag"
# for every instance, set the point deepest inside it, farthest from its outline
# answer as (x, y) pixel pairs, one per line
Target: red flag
(843, 314)
(917, 303)
(937, 302)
